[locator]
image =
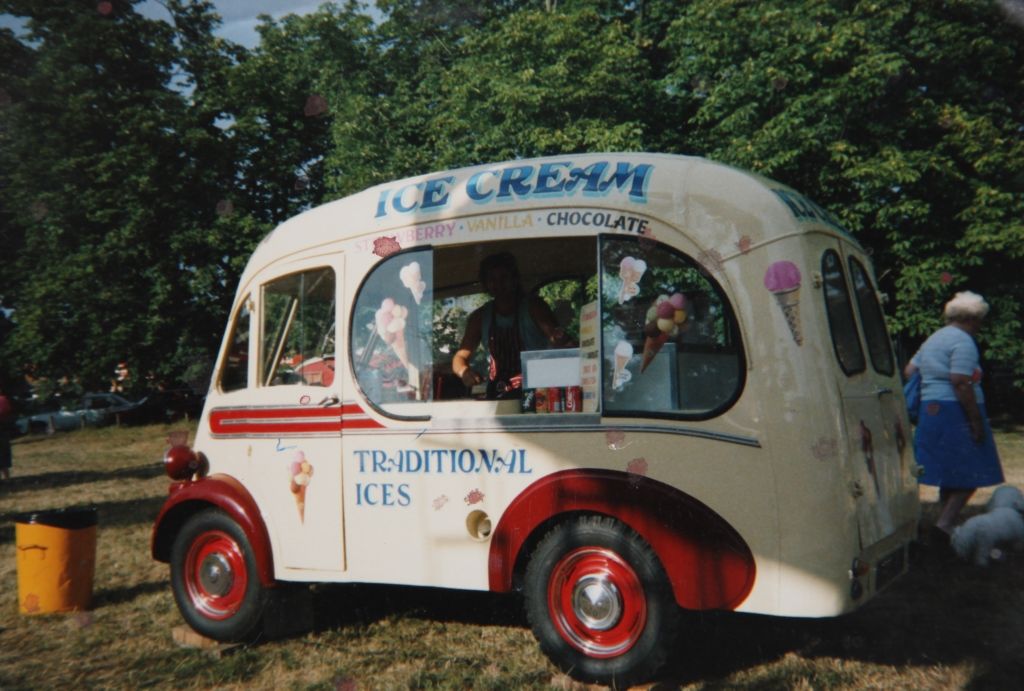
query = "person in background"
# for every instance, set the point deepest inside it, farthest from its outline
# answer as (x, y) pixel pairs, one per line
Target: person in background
(6, 432)
(954, 441)
(507, 325)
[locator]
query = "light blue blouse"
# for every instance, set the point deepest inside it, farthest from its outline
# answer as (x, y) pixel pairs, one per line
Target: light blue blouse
(947, 351)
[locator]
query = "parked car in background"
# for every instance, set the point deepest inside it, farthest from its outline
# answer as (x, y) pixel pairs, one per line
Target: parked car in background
(170, 405)
(94, 410)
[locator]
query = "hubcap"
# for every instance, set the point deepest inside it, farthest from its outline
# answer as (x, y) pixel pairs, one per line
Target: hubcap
(597, 602)
(215, 575)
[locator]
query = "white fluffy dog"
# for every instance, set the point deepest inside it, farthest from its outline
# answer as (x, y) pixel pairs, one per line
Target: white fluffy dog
(981, 538)
(1006, 496)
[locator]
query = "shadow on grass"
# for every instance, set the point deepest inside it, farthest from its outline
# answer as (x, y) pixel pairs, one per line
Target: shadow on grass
(68, 478)
(117, 596)
(109, 513)
(942, 613)
(345, 605)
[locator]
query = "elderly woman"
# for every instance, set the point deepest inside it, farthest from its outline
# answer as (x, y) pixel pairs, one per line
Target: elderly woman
(954, 441)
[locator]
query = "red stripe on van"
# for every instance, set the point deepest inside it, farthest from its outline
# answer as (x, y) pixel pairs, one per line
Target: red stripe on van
(289, 420)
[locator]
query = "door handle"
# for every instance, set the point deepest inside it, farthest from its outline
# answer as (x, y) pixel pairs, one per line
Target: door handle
(882, 391)
(329, 400)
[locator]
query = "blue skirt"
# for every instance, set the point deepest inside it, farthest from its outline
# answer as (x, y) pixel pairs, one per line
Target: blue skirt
(943, 445)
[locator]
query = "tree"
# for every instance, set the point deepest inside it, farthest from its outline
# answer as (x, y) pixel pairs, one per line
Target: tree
(97, 128)
(902, 117)
(14, 64)
(526, 84)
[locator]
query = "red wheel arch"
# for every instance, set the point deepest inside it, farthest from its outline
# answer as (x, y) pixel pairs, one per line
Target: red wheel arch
(227, 494)
(708, 564)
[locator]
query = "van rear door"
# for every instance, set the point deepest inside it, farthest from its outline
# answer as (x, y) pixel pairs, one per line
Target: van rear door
(876, 429)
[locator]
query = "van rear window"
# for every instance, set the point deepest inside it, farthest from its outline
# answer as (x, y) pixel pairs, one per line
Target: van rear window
(840, 315)
(872, 320)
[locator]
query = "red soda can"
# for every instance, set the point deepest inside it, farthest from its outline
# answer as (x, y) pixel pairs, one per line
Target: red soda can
(574, 399)
(555, 400)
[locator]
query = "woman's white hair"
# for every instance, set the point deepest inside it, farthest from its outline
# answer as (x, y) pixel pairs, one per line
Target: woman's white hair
(965, 305)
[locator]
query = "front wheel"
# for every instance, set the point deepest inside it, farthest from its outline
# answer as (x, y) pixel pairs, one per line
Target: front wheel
(599, 602)
(213, 575)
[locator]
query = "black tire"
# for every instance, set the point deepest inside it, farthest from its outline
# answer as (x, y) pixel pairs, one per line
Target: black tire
(214, 578)
(623, 630)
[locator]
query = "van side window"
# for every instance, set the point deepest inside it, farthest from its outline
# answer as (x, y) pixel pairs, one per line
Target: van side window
(412, 312)
(840, 315)
(234, 374)
(669, 337)
(393, 329)
(871, 318)
(298, 329)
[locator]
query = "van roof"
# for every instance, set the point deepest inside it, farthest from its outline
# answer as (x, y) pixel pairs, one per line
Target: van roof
(709, 201)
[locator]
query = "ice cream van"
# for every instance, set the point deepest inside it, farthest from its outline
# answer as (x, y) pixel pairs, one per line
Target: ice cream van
(698, 408)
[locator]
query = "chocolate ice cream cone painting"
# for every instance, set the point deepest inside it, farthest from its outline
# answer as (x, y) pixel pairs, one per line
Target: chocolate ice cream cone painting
(783, 280)
(301, 474)
(652, 344)
(664, 319)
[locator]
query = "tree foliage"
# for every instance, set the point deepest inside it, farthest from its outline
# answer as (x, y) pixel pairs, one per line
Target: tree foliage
(142, 159)
(903, 117)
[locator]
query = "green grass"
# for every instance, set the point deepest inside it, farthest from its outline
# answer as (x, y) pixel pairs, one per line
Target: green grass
(944, 625)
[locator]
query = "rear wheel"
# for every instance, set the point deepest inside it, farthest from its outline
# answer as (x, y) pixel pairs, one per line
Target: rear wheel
(599, 602)
(213, 575)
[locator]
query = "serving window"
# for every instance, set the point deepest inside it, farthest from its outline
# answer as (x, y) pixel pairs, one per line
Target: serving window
(669, 339)
(591, 298)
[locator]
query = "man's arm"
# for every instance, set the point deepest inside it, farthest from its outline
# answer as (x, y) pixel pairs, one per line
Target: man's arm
(470, 342)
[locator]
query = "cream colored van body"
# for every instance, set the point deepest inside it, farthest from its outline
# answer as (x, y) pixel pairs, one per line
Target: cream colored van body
(801, 462)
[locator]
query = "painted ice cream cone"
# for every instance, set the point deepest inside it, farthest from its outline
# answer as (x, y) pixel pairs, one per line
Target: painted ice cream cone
(401, 350)
(783, 280)
(664, 318)
(302, 473)
(630, 272)
(652, 344)
(412, 279)
(299, 492)
(623, 354)
(789, 303)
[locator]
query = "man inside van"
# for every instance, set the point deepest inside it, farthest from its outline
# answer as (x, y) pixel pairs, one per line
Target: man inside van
(508, 324)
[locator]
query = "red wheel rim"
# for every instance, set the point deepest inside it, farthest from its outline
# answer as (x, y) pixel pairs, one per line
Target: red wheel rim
(215, 575)
(597, 602)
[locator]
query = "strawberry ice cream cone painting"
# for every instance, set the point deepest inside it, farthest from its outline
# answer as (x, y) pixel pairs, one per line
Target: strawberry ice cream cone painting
(783, 280)
(301, 472)
(390, 321)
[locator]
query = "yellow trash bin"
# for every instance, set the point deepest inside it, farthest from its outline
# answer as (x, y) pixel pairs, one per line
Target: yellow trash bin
(56, 559)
